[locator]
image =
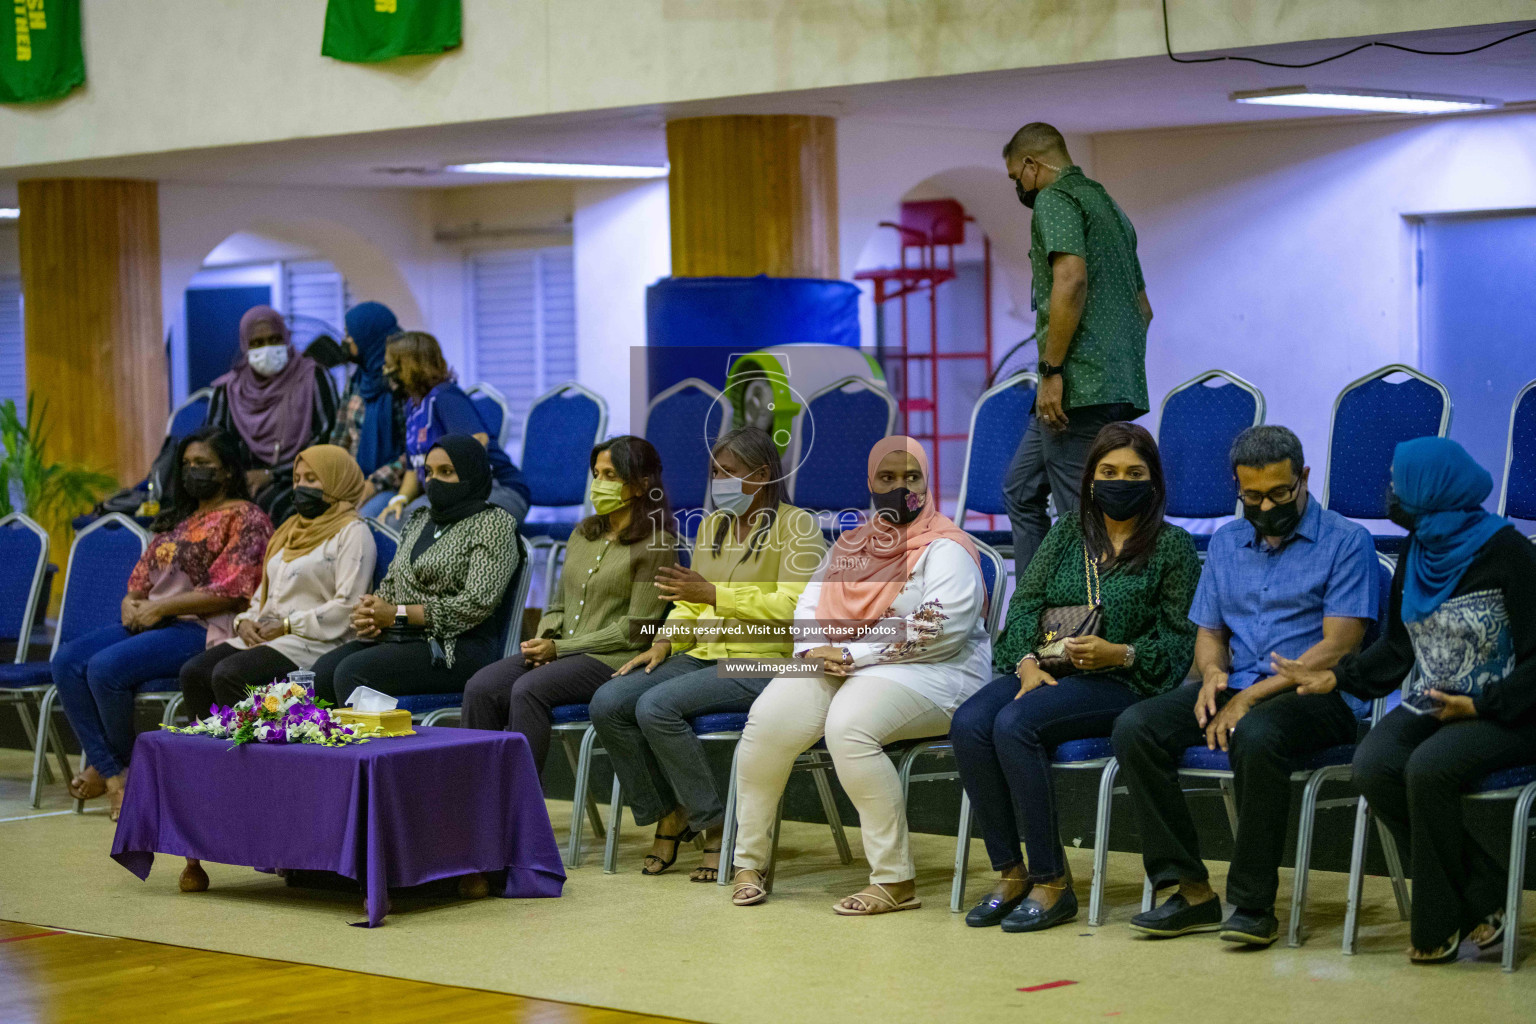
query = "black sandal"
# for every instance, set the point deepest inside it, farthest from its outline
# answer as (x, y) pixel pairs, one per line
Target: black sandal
(714, 872)
(677, 841)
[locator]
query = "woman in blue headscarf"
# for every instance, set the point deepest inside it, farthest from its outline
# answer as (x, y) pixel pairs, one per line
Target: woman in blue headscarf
(370, 424)
(1461, 642)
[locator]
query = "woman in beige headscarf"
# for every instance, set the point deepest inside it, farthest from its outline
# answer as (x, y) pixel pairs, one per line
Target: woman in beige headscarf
(319, 564)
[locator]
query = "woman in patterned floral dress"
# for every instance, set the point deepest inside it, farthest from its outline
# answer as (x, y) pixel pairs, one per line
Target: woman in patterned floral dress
(202, 567)
(1118, 553)
(895, 640)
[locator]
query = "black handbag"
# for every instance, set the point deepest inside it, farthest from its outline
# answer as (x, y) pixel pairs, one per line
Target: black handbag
(1062, 624)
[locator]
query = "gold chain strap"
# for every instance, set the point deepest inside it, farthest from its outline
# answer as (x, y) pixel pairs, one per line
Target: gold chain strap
(1091, 578)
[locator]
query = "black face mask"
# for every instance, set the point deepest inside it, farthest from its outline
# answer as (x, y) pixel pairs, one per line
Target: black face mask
(1122, 500)
(444, 495)
(1026, 195)
(1279, 521)
(898, 506)
(310, 502)
(1399, 515)
(325, 351)
(202, 482)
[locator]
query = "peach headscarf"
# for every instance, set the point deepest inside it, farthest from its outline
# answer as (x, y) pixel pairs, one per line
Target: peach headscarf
(867, 567)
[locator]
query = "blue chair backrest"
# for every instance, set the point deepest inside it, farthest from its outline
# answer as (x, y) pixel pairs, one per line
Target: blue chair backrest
(683, 426)
(562, 427)
(23, 564)
(492, 415)
(100, 561)
(190, 415)
(386, 542)
(1200, 420)
(1370, 419)
(1520, 462)
(836, 429)
(993, 576)
(998, 423)
(510, 612)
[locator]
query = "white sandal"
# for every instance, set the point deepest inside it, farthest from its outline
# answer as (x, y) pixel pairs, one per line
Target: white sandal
(872, 903)
(746, 894)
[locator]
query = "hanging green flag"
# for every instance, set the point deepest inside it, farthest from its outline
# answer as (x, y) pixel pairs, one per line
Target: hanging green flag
(372, 30)
(40, 56)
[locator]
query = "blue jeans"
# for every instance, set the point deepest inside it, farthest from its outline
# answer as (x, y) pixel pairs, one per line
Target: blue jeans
(97, 675)
(1003, 747)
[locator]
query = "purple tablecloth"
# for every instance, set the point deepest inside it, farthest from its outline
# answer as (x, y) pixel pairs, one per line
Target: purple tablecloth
(395, 812)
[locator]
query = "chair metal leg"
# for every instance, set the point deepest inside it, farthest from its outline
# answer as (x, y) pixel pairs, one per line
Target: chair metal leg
(23, 706)
(173, 708)
(904, 770)
(551, 566)
(615, 815)
(1519, 837)
(1147, 893)
(1304, 853)
(57, 743)
(1101, 841)
(1395, 870)
(728, 831)
(39, 746)
(962, 854)
(829, 808)
(1356, 875)
(1229, 798)
(581, 796)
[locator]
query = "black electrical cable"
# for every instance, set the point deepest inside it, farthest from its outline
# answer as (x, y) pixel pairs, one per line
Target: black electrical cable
(1168, 45)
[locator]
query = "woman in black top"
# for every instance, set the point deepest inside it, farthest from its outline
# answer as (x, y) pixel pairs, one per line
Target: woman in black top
(1462, 632)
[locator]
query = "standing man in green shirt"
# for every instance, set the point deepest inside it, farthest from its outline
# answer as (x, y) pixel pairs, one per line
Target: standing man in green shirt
(1091, 317)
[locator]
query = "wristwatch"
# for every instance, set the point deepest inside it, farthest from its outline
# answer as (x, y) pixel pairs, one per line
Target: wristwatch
(402, 619)
(1048, 370)
(1130, 655)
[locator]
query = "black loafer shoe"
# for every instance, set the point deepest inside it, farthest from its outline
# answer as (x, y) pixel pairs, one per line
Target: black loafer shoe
(991, 910)
(1032, 917)
(1176, 917)
(1252, 927)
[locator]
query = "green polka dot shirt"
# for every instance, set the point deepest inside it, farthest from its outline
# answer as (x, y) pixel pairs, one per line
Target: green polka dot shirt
(1107, 362)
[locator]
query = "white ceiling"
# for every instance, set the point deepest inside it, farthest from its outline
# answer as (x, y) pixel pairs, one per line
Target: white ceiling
(1131, 95)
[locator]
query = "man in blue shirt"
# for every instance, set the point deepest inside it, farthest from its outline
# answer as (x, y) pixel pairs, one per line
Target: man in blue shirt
(1289, 579)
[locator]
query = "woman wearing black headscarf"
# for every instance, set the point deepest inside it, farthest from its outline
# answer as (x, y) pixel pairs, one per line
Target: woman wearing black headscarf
(431, 624)
(370, 424)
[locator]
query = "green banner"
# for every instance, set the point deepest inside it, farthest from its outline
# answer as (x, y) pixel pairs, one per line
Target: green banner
(40, 56)
(373, 30)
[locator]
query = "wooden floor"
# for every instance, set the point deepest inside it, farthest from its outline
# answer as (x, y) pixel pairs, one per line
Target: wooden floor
(64, 977)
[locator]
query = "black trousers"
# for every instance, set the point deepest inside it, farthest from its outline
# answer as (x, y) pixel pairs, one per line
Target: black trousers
(1413, 769)
(511, 696)
(1149, 738)
(221, 675)
(397, 669)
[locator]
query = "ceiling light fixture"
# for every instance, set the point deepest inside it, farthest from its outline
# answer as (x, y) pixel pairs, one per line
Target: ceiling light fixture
(1376, 101)
(543, 170)
(9, 213)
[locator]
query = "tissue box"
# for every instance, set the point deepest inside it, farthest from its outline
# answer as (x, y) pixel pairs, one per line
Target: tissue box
(396, 722)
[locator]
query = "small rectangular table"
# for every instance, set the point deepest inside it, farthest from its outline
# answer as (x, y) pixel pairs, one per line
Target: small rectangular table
(398, 811)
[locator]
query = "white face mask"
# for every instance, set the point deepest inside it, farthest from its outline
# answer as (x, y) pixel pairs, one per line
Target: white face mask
(268, 360)
(728, 495)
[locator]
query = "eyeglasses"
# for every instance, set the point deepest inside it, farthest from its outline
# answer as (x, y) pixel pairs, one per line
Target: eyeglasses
(1278, 496)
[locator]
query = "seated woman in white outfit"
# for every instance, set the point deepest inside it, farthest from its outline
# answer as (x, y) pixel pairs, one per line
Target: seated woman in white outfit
(912, 568)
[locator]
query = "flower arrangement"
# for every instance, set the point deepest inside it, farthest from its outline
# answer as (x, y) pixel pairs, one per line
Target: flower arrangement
(281, 712)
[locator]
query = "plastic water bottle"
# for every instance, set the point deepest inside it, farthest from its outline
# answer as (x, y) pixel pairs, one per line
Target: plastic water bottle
(151, 506)
(304, 678)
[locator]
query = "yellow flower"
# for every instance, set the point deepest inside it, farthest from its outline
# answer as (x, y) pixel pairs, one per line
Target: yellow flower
(271, 703)
(295, 690)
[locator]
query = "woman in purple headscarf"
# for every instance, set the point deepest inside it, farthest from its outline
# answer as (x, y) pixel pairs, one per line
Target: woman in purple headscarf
(277, 402)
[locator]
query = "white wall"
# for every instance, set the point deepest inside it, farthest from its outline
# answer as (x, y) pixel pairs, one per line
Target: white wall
(1283, 253)
(623, 245)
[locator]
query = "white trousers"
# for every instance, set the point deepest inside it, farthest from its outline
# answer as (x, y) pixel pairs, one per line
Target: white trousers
(858, 716)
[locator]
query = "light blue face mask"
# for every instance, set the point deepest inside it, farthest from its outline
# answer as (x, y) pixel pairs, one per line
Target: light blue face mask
(728, 496)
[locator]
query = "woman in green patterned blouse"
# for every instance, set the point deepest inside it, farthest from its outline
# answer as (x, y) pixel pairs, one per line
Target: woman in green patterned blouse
(1145, 571)
(432, 623)
(594, 620)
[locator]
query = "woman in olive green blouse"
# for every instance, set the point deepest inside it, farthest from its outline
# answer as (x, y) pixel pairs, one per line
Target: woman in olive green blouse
(1003, 735)
(594, 620)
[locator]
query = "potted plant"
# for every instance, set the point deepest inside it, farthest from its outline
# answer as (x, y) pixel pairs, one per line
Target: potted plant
(52, 493)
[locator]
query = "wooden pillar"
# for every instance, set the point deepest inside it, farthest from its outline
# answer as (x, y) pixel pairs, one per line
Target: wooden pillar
(754, 195)
(90, 279)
